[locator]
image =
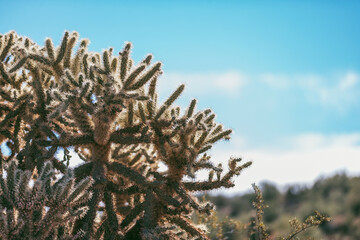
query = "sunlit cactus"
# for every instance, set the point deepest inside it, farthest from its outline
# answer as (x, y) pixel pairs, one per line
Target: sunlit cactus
(105, 107)
(43, 206)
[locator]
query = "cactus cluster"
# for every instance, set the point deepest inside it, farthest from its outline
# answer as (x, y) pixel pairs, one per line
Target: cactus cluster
(41, 206)
(103, 108)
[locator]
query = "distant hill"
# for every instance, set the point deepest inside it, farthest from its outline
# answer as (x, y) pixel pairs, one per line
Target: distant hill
(337, 197)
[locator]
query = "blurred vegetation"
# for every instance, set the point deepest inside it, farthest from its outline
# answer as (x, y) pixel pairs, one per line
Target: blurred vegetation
(337, 196)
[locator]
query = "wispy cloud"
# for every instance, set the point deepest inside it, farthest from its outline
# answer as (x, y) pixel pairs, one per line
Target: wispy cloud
(317, 140)
(276, 80)
(343, 93)
(348, 81)
(206, 83)
(339, 91)
(310, 157)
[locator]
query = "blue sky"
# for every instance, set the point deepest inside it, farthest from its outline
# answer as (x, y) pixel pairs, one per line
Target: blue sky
(285, 75)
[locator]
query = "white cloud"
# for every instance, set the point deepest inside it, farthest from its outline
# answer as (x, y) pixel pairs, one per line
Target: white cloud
(340, 95)
(348, 81)
(310, 81)
(230, 82)
(311, 156)
(205, 83)
(343, 93)
(315, 141)
(276, 81)
(309, 141)
(336, 91)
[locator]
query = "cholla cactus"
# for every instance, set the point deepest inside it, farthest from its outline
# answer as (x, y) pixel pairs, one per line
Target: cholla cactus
(105, 108)
(41, 207)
